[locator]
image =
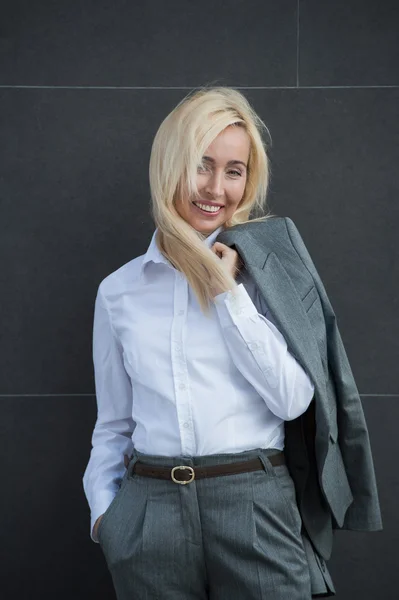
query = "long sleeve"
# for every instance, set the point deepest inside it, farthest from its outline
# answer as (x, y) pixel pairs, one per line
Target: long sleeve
(260, 353)
(113, 429)
(354, 441)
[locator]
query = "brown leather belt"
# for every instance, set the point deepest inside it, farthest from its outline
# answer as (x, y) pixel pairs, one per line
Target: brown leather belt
(185, 474)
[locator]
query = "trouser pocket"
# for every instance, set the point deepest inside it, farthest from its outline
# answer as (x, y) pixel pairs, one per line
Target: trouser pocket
(281, 483)
(107, 515)
(121, 535)
(110, 511)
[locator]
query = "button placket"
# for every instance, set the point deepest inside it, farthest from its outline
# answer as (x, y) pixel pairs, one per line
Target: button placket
(179, 366)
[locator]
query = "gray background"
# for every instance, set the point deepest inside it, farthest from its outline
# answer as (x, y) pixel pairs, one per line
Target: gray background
(84, 87)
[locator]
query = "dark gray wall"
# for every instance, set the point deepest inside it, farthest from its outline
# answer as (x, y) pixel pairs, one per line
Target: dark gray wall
(84, 86)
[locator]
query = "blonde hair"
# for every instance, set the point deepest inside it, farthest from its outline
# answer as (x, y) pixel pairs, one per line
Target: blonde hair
(176, 154)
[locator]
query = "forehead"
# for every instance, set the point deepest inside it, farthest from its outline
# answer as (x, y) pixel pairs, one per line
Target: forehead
(231, 143)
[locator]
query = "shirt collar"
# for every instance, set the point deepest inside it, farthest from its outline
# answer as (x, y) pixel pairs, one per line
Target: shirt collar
(154, 255)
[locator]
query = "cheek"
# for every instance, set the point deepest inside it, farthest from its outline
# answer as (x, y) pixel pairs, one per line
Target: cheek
(202, 181)
(237, 192)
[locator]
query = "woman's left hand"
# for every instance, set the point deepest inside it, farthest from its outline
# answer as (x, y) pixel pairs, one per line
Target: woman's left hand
(231, 261)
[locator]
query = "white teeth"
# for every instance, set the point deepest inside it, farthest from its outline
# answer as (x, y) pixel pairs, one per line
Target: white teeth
(208, 208)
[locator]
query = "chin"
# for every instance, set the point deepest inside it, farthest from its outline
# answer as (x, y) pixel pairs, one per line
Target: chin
(208, 231)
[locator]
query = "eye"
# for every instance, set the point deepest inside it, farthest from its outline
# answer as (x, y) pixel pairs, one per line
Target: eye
(202, 168)
(234, 172)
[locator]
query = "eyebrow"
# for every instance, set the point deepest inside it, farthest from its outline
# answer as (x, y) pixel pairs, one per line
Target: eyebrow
(231, 162)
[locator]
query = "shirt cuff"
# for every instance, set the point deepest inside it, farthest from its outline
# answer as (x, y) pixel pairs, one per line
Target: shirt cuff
(234, 306)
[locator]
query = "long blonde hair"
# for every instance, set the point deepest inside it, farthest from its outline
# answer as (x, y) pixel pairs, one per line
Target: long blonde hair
(176, 154)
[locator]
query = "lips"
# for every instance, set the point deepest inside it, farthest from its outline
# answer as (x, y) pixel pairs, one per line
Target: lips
(208, 203)
(208, 213)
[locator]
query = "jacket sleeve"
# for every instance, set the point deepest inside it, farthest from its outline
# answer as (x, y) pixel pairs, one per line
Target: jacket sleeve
(113, 429)
(353, 438)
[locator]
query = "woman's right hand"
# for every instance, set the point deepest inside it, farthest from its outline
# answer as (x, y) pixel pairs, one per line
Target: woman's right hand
(96, 524)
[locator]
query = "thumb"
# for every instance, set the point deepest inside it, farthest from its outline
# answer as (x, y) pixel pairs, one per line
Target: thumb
(218, 248)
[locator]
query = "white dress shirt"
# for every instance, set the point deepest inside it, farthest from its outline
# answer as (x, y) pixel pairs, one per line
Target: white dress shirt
(171, 381)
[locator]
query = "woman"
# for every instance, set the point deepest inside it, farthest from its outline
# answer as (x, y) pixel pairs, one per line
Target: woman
(203, 506)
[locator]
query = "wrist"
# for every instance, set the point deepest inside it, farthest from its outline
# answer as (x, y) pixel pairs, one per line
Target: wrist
(217, 291)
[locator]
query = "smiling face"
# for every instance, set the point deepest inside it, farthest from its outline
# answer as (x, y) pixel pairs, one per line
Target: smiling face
(221, 181)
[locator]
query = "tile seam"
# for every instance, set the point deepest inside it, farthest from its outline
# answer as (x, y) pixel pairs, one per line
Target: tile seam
(238, 87)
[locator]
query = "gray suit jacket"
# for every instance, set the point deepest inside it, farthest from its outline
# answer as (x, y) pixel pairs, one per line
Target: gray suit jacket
(327, 448)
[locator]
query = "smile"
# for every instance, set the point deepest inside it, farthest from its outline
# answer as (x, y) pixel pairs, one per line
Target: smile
(208, 210)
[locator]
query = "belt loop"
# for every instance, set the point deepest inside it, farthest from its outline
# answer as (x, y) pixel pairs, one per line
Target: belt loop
(267, 465)
(130, 464)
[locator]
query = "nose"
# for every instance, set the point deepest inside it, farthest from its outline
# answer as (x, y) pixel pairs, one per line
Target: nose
(214, 185)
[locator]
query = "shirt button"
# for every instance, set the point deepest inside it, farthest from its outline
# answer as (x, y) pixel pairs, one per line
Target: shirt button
(186, 424)
(181, 312)
(182, 386)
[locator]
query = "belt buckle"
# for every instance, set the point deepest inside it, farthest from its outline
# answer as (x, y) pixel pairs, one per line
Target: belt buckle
(180, 467)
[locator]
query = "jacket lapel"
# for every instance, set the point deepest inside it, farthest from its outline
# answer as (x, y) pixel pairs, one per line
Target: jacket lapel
(281, 297)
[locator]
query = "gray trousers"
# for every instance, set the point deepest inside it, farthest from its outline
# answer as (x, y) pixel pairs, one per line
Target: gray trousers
(231, 537)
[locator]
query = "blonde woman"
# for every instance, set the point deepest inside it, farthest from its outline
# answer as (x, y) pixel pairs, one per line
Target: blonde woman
(206, 479)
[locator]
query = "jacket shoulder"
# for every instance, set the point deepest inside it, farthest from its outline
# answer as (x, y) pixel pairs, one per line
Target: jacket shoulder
(272, 233)
(272, 223)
